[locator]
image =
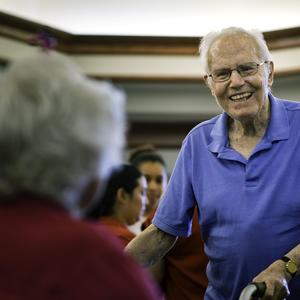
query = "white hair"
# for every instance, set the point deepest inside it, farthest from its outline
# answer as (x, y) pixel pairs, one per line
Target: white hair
(57, 127)
(210, 38)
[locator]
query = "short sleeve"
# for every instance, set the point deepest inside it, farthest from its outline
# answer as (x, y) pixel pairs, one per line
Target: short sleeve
(175, 211)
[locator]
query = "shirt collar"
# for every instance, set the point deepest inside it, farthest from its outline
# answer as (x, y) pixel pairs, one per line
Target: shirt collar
(279, 128)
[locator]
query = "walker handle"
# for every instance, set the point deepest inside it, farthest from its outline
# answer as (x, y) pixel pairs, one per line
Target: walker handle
(253, 289)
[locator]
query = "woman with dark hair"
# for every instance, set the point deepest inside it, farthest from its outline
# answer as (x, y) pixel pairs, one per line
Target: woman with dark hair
(181, 273)
(151, 164)
(123, 202)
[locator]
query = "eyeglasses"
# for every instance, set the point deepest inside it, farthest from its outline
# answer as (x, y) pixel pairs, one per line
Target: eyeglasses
(244, 70)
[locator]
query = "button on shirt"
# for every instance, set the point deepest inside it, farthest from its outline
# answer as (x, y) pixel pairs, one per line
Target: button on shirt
(249, 209)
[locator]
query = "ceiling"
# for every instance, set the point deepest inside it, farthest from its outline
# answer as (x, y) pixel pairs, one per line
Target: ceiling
(155, 17)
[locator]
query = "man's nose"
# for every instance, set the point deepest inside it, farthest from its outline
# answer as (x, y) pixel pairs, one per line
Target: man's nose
(236, 79)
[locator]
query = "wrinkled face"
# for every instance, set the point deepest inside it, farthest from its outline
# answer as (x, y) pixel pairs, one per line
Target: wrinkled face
(242, 98)
(137, 202)
(156, 176)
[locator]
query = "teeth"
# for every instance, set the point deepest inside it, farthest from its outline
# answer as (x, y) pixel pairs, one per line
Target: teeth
(240, 96)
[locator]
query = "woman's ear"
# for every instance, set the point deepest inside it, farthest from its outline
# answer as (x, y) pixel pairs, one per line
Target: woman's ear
(121, 196)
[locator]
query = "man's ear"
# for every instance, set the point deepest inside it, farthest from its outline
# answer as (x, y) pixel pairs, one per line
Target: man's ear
(205, 77)
(208, 84)
(271, 73)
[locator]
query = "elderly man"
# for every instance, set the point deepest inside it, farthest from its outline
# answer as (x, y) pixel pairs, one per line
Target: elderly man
(60, 132)
(241, 169)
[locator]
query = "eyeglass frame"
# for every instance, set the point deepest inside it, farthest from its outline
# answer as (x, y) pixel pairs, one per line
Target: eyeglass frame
(237, 69)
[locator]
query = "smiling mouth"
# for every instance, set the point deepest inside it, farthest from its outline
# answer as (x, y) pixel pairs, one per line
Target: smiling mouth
(240, 97)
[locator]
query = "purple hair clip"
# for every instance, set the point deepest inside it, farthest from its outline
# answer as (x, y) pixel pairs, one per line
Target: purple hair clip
(44, 40)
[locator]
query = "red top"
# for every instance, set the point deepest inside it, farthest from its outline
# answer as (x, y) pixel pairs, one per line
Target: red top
(185, 266)
(148, 220)
(118, 229)
(45, 254)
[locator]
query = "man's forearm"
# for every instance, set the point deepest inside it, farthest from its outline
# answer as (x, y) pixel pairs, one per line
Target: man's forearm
(150, 245)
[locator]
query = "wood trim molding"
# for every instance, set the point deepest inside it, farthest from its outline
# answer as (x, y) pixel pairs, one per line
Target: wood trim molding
(22, 30)
(164, 79)
(177, 79)
(160, 134)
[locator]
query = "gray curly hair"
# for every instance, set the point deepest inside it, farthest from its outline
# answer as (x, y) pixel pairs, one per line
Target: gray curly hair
(57, 127)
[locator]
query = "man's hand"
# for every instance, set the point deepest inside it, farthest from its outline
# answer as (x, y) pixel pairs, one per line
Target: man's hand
(276, 279)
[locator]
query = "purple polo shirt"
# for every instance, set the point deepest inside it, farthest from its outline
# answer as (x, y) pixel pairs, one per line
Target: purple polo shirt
(249, 208)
